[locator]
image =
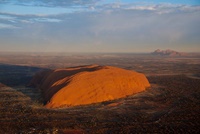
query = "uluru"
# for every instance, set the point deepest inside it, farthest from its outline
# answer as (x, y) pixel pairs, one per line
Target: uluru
(87, 84)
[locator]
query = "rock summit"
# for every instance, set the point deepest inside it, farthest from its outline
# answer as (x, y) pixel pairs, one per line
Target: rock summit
(88, 84)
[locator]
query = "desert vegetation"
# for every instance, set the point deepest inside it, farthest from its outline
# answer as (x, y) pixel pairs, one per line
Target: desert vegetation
(170, 105)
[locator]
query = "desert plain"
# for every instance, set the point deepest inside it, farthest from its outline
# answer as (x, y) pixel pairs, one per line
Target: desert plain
(170, 105)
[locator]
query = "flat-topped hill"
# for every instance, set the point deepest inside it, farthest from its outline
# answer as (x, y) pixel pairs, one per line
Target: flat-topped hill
(88, 84)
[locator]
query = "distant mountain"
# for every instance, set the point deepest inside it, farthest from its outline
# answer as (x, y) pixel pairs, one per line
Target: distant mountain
(168, 52)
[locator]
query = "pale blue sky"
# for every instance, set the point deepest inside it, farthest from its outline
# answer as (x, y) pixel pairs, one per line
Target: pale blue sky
(99, 25)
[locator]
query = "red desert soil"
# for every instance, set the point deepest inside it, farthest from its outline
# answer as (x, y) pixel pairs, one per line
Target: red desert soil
(88, 84)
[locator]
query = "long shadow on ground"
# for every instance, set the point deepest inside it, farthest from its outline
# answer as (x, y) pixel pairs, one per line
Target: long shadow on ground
(18, 77)
(13, 75)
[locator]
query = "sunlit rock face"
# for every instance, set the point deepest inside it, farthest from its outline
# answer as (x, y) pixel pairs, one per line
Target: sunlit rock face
(88, 84)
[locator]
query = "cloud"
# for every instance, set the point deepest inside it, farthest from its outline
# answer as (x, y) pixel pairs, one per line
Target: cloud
(45, 20)
(155, 8)
(6, 17)
(103, 26)
(35, 10)
(141, 8)
(52, 3)
(7, 26)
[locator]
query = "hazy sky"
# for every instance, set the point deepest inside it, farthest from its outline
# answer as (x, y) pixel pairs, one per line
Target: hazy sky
(99, 25)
